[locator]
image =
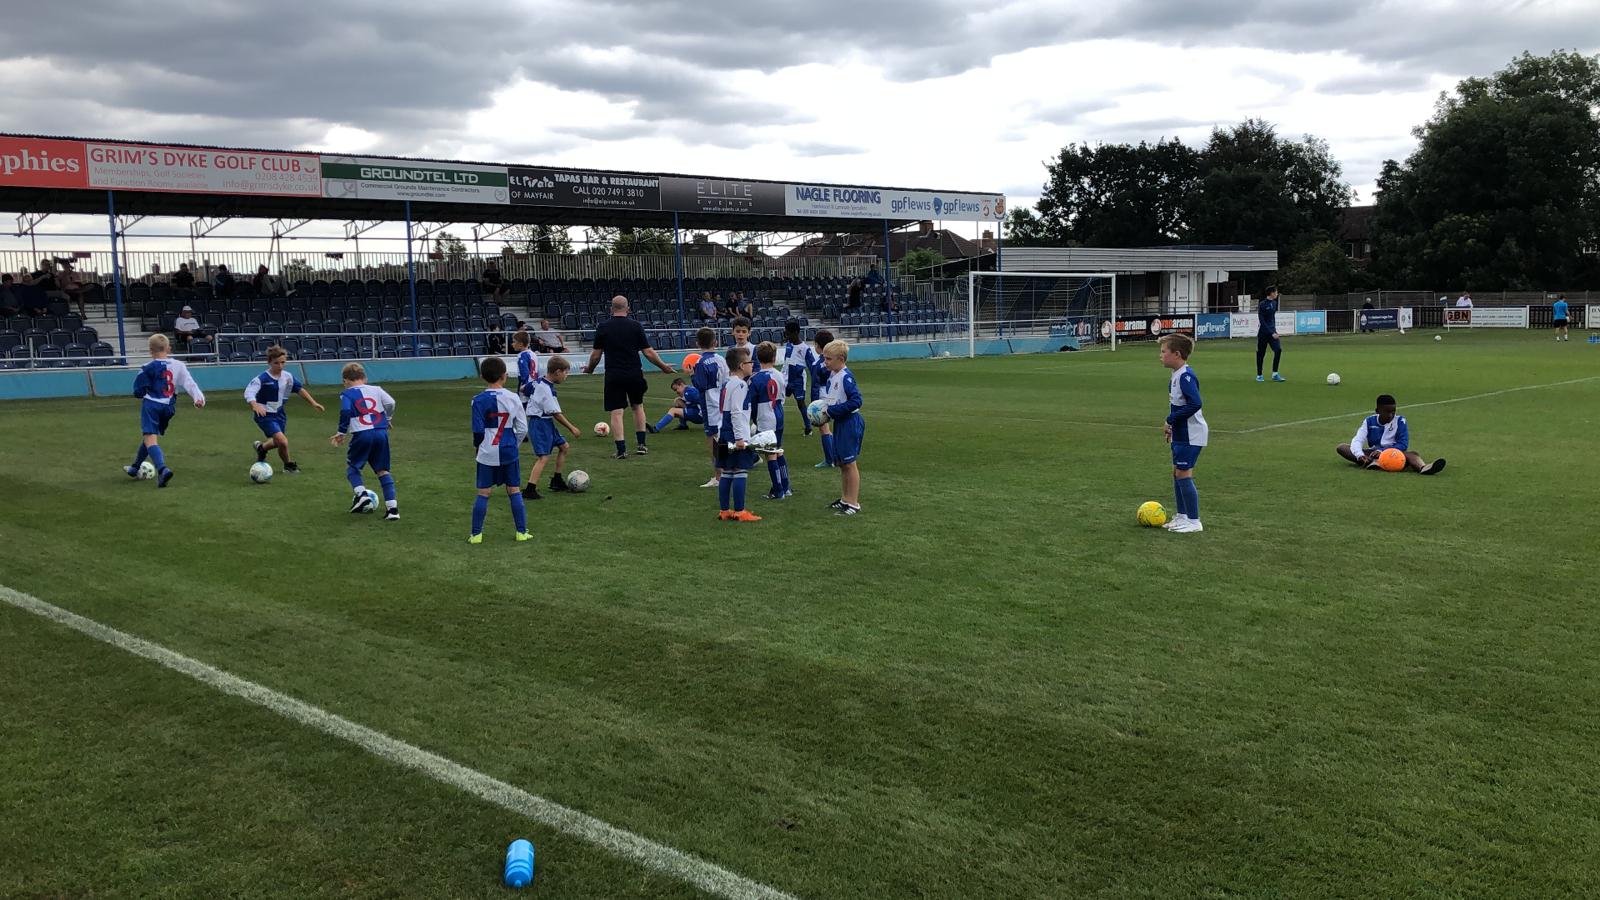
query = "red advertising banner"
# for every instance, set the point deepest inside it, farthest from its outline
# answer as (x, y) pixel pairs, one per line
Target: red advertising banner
(131, 167)
(40, 162)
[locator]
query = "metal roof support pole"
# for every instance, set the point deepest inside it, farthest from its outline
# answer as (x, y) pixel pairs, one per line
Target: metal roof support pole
(677, 252)
(353, 230)
(27, 223)
(411, 279)
(888, 280)
(116, 276)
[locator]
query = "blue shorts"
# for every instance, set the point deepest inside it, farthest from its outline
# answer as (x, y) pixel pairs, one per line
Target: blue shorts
(369, 448)
(508, 474)
(544, 437)
(713, 430)
(1184, 456)
(694, 414)
(729, 459)
(154, 417)
(272, 423)
(795, 389)
(847, 436)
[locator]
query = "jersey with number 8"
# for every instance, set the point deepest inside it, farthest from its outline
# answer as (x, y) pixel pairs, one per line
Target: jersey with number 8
(365, 407)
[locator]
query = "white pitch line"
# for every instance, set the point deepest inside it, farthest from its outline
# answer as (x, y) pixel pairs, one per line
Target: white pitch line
(619, 842)
(1410, 406)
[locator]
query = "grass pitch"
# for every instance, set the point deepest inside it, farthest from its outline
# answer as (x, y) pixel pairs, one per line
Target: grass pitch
(990, 684)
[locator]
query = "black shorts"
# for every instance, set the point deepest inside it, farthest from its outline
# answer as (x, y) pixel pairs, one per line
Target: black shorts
(1559, 323)
(624, 390)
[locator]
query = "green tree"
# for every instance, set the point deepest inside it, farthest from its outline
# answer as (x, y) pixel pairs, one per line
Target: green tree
(539, 239)
(1024, 228)
(449, 246)
(1321, 268)
(917, 262)
(1503, 190)
(1266, 191)
(642, 242)
(1116, 195)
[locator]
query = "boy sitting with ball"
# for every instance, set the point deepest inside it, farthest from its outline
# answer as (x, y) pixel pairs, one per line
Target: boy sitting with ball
(686, 408)
(1381, 431)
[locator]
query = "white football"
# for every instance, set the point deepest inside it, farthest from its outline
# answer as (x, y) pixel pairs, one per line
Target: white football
(1438, 337)
(817, 411)
(147, 470)
(369, 501)
(578, 481)
(601, 429)
(1333, 377)
(261, 473)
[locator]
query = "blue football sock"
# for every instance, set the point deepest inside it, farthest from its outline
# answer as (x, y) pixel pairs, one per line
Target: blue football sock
(777, 479)
(827, 449)
(622, 448)
(1182, 500)
(783, 468)
(387, 481)
(800, 403)
(139, 457)
(353, 475)
(725, 490)
(157, 457)
(519, 513)
(480, 509)
(740, 480)
(665, 421)
(1193, 497)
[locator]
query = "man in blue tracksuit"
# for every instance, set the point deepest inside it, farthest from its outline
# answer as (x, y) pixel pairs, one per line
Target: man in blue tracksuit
(1267, 334)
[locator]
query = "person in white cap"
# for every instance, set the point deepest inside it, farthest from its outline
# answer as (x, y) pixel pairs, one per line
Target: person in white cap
(187, 327)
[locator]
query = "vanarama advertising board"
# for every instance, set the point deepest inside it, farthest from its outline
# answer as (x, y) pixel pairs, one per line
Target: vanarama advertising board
(399, 179)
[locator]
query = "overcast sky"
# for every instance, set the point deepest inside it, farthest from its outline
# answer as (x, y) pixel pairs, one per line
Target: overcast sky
(951, 94)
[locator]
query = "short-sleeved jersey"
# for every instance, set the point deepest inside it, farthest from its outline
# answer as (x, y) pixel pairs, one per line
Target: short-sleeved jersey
(1376, 435)
(797, 361)
(365, 407)
(1558, 309)
(499, 423)
(271, 391)
(693, 400)
(542, 403)
(1187, 421)
(735, 406)
(710, 374)
(527, 372)
(750, 349)
(621, 340)
(1267, 314)
(159, 381)
(766, 399)
(844, 398)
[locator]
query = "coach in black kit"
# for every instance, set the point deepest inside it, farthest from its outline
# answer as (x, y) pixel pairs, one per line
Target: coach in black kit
(622, 339)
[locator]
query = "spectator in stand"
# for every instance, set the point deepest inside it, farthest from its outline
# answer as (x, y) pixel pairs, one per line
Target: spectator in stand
(45, 280)
(186, 327)
(742, 306)
(854, 298)
(495, 342)
(887, 303)
(222, 283)
(521, 325)
(1464, 301)
(266, 284)
(494, 283)
(725, 307)
(708, 307)
(9, 304)
(30, 296)
(183, 279)
(549, 341)
(72, 287)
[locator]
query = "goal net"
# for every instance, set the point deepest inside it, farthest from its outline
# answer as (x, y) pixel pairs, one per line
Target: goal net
(1078, 308)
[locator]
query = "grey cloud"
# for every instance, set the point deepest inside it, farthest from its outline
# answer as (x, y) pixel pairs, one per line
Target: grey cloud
(821, 148)
(1070, 113)
(1373, 83)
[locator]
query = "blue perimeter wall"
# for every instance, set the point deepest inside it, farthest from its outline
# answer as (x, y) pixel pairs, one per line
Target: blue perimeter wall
(223, 378)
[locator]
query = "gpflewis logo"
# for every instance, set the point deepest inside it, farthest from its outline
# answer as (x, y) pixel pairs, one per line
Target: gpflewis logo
(28, 162)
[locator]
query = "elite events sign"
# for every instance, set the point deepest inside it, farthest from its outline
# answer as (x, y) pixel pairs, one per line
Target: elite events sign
(397, 179)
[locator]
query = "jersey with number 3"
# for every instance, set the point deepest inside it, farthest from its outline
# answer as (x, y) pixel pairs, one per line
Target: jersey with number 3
(365, 407)
(499, 418)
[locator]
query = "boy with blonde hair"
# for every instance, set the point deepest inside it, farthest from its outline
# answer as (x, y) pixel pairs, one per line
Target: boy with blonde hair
(1185, 429)
(848, 427)
(157, 385)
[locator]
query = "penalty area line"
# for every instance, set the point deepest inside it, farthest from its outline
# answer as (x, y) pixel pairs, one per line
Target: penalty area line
(1410, 406)
(618, 842)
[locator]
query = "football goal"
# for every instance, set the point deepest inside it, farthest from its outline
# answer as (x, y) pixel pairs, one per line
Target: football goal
(1079, 308)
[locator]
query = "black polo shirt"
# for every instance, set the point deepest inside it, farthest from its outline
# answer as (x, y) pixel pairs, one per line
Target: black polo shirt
(620, 340)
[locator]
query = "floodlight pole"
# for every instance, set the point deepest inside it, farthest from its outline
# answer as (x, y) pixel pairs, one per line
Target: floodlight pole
(411, 279)
(677, 253)
(888, 282)
(116, 276)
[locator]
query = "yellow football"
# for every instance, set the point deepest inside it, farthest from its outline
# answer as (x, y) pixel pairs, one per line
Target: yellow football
(1152, 514)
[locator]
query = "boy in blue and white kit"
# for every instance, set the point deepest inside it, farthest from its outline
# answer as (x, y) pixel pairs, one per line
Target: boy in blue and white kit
(686, 409)
(734, 456)
(1185, 429)
(710, 375)
(544, 412)
(499, 423)
(819, 382)
(157, 385)
(527, 364)
(799, 360)
(365, 411)
(849, 428)
(1384, 430)
(766, 400)
(266, 394)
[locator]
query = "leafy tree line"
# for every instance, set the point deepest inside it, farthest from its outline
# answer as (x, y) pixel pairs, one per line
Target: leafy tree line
(1502, 192)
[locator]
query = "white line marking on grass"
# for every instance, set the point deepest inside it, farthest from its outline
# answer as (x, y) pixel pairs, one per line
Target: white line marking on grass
(619, 842)
(1410, 406)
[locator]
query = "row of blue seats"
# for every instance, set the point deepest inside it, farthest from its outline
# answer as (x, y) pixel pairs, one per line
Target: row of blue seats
(39, 338)
(73, 355)
(51, 322)
(390, 323)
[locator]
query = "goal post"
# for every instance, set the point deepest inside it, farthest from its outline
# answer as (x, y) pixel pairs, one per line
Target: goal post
(1079, 308)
